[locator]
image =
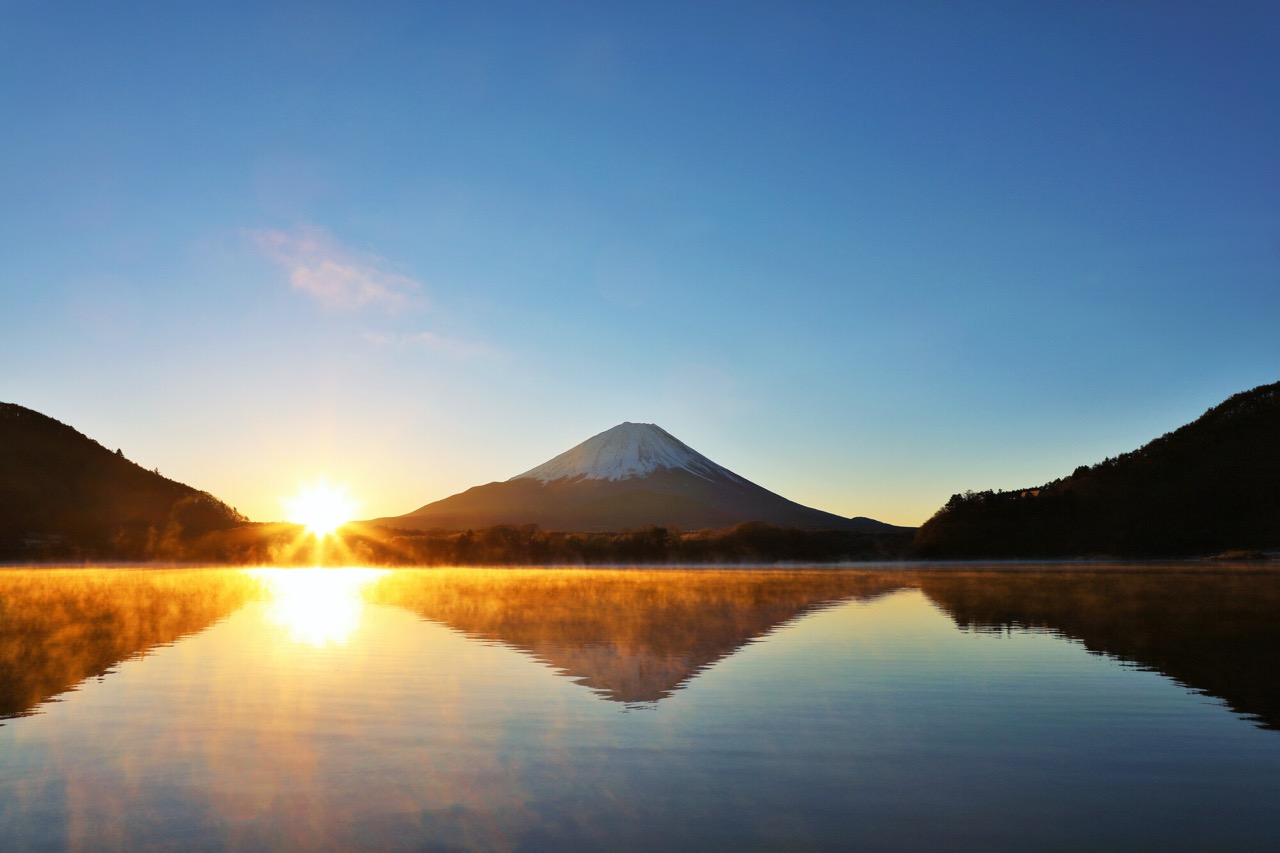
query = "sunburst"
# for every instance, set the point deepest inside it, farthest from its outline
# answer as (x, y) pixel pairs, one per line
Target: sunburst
(321, 507)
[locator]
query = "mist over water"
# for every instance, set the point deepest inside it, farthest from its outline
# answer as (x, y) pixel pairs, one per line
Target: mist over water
(606, 709)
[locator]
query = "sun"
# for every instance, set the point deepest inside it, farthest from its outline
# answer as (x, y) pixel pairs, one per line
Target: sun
(321, 507)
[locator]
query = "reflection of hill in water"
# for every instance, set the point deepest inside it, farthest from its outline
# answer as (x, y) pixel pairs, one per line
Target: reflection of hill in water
(632, 636)
(1217, 633)
(59, 627)
(638, 636)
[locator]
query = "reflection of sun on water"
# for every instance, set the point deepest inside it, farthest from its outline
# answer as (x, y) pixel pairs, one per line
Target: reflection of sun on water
(320, 607)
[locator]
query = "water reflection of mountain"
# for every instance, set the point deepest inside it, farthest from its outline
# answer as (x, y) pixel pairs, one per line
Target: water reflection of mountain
(1214, 632)
(59, 627)
(631, 636)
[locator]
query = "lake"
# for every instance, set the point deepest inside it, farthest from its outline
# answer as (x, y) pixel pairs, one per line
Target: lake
(904, 708)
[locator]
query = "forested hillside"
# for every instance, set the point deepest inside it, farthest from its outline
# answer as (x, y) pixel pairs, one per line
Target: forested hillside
(1211, 486)
(64, 495)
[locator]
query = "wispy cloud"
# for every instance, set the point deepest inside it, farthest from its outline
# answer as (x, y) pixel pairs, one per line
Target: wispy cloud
(337, 277)
(452, 347)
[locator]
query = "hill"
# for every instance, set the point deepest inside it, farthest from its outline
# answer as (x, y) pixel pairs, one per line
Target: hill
(627, 477)
(63, 494)
(1208, 487)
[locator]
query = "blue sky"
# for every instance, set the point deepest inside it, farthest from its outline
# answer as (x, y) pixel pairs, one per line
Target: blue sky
(864, 254)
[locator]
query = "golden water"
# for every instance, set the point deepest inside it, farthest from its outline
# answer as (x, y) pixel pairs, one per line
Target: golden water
(1130, 707)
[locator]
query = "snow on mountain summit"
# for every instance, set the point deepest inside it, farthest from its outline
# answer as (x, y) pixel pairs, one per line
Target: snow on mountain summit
(625, 451)
(625, 478)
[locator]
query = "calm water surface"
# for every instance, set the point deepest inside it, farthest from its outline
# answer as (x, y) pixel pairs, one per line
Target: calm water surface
(1116, 708)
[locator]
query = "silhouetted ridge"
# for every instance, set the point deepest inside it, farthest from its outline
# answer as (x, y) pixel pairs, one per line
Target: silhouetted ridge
(64, 494)
(1210, 486)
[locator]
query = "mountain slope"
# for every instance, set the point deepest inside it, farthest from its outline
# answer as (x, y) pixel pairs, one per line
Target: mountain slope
(63, 492)
(626, 477)
(1210, 486)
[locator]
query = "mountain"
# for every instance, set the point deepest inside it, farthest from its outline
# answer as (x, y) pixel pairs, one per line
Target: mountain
(63, 494)
(1208, 487)
(626, 477)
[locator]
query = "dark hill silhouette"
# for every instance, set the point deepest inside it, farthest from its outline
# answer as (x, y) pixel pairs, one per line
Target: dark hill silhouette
(1208, 487)
(63, 494)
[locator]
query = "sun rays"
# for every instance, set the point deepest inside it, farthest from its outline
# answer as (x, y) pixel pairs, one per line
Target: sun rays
(322, 508)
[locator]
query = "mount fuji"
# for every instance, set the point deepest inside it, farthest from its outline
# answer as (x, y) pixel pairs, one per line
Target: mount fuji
(624, 478)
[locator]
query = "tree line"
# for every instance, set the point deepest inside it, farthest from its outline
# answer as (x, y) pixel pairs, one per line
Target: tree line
(526, 545)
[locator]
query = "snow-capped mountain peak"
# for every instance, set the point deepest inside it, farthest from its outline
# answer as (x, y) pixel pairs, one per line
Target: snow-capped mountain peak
(625, 451)
(625, 478)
